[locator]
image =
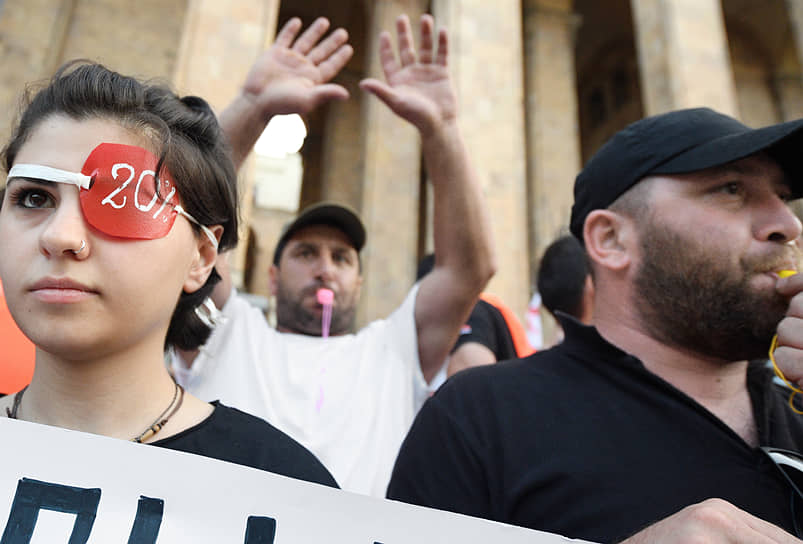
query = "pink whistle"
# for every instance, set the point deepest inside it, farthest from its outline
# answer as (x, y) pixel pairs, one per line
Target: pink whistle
(325, 298)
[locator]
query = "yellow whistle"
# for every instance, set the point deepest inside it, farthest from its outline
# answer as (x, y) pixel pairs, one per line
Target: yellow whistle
(786, 273)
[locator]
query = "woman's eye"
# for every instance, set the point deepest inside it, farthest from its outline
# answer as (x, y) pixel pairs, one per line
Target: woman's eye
(33, 199)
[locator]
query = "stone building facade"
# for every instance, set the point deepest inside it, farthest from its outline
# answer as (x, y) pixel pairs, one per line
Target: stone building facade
(541, 83)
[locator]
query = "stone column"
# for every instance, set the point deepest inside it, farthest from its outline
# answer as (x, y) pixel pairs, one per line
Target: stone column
(553, 134)
(788, 74)
(795, 10)
(390, 181)
(219, 43)
(25, 58)
(683, 55)
(341, 159)
(553, 137)
(789, 81)
(138, 38)
(486, 62)
(790, 96)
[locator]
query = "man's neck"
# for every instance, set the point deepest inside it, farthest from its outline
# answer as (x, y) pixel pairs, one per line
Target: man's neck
(719, 386)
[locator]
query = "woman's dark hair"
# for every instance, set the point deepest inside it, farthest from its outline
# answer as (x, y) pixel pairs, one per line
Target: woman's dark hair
(186, 137)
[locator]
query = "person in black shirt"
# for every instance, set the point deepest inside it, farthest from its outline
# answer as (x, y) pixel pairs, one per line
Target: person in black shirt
(491, 333)
(119, 196)
(649, 426)
(485, 327)
(564, 279)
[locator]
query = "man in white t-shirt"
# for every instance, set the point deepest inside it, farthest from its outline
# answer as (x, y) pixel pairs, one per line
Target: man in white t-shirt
(349, 398)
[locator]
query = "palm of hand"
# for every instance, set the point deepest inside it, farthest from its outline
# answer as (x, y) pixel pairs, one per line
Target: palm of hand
(425, 94)
(283, 81)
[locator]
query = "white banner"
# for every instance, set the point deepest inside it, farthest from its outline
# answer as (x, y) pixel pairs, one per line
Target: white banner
(59, 486)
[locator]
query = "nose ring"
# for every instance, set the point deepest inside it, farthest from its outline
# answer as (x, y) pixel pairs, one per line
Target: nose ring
(80, 249)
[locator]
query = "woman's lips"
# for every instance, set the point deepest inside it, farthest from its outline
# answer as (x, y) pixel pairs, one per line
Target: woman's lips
(61, 290)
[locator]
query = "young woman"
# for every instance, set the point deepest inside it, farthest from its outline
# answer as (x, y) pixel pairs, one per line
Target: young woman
(119, 196)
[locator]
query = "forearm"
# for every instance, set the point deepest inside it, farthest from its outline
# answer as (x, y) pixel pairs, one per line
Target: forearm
(469, 355)
(461, 227)
(464, 257)
(243, 122)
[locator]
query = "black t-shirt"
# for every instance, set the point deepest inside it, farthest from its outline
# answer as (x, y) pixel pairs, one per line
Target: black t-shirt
(231, 435)
(486, 326)
(582, 440)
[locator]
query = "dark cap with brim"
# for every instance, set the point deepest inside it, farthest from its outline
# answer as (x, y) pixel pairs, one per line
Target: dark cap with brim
(338, 216)
(680, 142)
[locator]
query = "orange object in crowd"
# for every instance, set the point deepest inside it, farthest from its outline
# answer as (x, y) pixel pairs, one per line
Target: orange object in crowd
(517, 331)
(17, 353)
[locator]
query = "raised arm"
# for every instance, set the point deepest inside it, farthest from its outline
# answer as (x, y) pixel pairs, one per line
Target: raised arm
(418, 88)
(291, 76)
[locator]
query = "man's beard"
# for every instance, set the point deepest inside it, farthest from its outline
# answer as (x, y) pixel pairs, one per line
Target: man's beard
(291, 314)
(689, 299)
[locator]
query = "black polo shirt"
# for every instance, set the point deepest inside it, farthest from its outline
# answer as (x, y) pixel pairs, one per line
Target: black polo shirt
(582, 440)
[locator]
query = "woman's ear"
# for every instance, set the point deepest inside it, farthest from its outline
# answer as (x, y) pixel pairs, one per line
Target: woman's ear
(609, 239)
(204, 261)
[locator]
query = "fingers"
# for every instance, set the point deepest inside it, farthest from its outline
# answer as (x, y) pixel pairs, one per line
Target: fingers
(427, 42)
(310, 37)
(789, 352)
(790, 331)
(325, 93)
(288, 32)
(405, 38)
(790, 285)
(387, 58)
(713, 520)
(768, 531)
(407, 53)
(443, 47)
(790, 328)
(332, 43)
(384, 92)
(336, 61)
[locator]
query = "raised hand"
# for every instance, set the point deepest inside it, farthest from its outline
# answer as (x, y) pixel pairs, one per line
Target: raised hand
(418, 87)
(292, 75)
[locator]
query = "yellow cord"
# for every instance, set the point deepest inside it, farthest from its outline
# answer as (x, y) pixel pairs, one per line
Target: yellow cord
(795, 390)
(773, 345)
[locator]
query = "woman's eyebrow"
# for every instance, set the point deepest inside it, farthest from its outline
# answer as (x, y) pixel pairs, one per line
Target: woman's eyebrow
(44, 182)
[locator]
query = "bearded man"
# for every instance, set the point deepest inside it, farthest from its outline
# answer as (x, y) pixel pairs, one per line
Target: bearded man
(351, 397)
(652, 425)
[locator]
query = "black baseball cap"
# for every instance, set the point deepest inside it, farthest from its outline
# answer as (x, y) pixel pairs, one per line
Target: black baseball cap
(324, 213)
(680, 142)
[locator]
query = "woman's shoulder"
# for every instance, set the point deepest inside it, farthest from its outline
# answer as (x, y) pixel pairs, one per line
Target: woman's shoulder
(229, 434)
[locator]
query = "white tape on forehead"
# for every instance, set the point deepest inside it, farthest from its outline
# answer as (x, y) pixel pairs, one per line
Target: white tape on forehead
(46, 173)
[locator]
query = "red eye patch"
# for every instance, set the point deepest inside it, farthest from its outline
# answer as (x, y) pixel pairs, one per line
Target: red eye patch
(122, 199)
(119, 192)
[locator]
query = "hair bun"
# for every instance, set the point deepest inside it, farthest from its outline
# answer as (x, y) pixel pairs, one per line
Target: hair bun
(198, 104)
